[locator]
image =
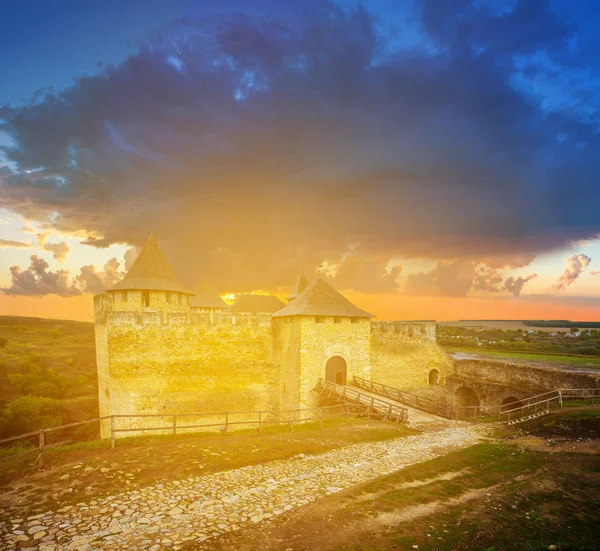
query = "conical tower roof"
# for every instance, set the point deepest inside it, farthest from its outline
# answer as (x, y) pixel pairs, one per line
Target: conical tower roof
(205, 296)
(301, 284)
(151, 271)
(321, 299)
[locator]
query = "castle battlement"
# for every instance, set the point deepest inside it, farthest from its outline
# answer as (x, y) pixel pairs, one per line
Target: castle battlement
(424, 329)
(149, 317)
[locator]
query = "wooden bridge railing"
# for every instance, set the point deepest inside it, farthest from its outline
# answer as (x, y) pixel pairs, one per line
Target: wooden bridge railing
(407, 398)
(509, 411)
(363, 403)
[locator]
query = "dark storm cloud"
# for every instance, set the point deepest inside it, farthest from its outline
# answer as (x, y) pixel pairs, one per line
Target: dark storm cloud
(252, 147)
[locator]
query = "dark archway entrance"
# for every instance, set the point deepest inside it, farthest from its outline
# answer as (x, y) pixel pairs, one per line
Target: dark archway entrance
(335, 370)
(510, 403)
(467, 402)
(434, 377)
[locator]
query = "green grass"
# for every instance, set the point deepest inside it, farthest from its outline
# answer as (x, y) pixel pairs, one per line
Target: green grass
(584, 361)
(527, 501)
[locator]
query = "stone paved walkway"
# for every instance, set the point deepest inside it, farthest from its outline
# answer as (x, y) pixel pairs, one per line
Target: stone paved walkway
(163, 516)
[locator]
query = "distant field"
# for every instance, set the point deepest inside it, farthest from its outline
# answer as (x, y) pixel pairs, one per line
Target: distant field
(525, 357)
(505, 325)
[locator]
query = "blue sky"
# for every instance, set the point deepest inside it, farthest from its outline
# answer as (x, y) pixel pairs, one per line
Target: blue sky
(456, 141)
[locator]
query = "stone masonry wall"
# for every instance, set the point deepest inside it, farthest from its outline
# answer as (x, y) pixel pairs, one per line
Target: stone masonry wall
(528, 377)
(171, 364)
(287, 342)
(350, 339)
(403, 354)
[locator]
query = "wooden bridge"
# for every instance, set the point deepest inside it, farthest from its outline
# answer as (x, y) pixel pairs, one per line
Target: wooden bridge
(375, 406)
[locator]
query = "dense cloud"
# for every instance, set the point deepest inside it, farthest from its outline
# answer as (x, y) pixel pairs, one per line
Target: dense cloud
(38, 280)
(91, 281)
(515, 285)
(575, 265)
(59, 250)
(252, 147)
(457, 278)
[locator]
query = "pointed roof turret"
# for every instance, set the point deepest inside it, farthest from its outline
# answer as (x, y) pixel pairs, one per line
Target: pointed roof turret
(321, 299)
(301, 284)
(207, 297)
(151, 271)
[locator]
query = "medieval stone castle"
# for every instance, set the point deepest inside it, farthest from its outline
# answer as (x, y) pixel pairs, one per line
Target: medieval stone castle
(162, 348)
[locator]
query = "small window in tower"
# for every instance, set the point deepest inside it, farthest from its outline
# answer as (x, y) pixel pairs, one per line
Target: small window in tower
(337, 320)
(320, 319)
(145, 299)
(354, 320)
(169, 297)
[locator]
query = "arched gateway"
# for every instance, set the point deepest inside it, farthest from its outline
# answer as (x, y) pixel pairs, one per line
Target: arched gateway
(335, 370)
(467, 402)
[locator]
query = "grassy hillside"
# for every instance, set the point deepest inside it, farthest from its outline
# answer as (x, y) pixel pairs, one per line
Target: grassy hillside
(51, 361)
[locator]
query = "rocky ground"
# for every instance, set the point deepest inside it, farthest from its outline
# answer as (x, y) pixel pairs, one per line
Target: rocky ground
(169, 514)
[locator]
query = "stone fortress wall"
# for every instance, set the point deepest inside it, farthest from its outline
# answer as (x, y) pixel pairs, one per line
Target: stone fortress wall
(157, 355)
(152, 362)
(405, 355)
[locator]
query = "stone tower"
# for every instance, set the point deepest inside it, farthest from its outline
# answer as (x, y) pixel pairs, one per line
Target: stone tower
(146, 296)
(319, 334)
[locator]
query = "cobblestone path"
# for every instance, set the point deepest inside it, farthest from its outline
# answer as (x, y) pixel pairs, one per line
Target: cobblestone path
(165, 515)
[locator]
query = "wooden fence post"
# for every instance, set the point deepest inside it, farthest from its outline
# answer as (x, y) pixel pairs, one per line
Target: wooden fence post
(41, 448)
(112, 431)
(174, 425)
(560, 398)
(226, 422)
(347, 411)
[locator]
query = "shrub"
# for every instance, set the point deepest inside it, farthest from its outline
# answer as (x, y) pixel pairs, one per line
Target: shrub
(30, 413)
(45, 388)
(3, 342)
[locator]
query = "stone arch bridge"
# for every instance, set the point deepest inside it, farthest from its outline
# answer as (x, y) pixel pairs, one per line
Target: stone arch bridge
(483, 382)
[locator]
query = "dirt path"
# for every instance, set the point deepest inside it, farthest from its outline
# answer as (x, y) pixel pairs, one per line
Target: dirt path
(167, 515)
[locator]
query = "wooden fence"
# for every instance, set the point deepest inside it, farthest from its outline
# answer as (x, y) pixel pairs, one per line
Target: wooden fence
(257, 419)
